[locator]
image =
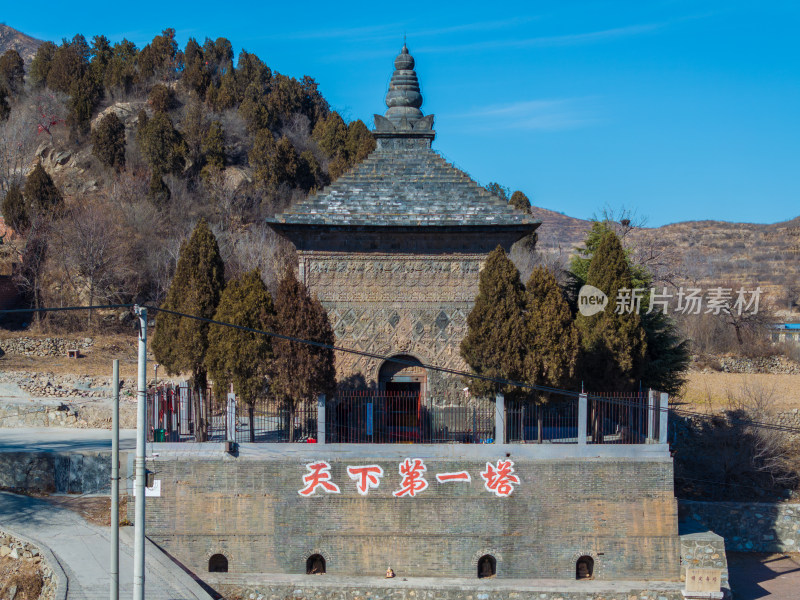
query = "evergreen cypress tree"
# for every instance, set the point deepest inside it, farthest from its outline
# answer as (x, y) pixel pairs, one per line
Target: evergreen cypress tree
(40, 66)
(5, 108)
(668, 354)
(496, 336)
(614, 345)
(239, 357)
(41, 194)
(15, 212)
(299, 372)
(180, 344)
(520, 201)
(552, 350)
(108, 141)
(12, 71)
(213, 146)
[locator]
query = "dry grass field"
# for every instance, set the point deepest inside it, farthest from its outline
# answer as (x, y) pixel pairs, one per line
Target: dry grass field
(710, 391)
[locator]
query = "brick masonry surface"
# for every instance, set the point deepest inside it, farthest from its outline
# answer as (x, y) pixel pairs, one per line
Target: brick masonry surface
(310, 591)
(619, 511)
(748, 526)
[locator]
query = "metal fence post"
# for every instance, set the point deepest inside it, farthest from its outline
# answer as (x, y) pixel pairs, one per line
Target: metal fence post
(499, 419)
(321, 419)
(651, 415)
(583, 408)
(663, 419)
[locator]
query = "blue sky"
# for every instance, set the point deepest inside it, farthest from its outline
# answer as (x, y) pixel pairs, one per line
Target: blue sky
(676, 109)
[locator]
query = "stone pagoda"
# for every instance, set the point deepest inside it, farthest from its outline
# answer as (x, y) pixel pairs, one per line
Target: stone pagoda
(394, 247)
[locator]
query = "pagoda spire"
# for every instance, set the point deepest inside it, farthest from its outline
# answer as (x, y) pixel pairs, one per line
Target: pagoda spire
(403, 117)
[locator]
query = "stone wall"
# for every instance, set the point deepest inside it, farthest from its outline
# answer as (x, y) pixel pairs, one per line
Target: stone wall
(60, 472)
(619, 511)
(701, 548)
(43, 346)
(49, 414)
(748, 526)
(24, 551)
(396, 590)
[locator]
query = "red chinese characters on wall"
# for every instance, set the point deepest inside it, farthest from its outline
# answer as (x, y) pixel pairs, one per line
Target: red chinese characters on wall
(319, 476)
(412, 472)
(499, 478)
(367, 477)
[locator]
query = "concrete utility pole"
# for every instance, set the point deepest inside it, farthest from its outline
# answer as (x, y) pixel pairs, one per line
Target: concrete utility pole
(139, 464)
(114, 572)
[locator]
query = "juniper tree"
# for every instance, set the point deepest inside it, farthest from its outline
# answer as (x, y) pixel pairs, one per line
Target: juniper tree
(5, 108)
(614, 344)
(299, 372)
(15, 212)
(179, 343)
(41, 194)
(41, 64)
(520, 201)
(12, 71)
(237, 357)
(496, 333)
(84, 94)
(108, 141)
(213, 146)
(668, 353)
(552, 346)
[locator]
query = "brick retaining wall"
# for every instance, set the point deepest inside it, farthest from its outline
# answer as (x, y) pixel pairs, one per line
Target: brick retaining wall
(621, 511)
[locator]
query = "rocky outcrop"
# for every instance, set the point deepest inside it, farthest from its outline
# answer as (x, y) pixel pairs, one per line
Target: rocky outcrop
(14, 548)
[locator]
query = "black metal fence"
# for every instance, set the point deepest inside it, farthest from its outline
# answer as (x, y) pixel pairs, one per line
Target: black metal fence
(180, 414)
(528, 421)
(376, 416)
(620, 418)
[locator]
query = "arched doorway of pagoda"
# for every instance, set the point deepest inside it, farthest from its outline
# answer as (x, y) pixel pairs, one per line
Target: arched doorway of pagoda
(402, 385)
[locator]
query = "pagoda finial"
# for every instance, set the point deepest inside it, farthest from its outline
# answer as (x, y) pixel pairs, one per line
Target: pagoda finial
(403, 120)
(403, 98)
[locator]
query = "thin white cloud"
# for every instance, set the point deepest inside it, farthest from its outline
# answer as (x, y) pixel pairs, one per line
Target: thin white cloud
(548, 41)
(541, 115)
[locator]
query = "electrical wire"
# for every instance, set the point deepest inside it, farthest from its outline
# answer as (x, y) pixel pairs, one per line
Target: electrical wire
(394, 359)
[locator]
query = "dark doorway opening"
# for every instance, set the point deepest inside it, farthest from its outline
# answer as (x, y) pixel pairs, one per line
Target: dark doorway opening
(487, 566)
(584, 568)
(218, 564)
(315, 565)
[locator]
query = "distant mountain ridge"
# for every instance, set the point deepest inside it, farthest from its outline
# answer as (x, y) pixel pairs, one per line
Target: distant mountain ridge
(702, 253)
(11, 39)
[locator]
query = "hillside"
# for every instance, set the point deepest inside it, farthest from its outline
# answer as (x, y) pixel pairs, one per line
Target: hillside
(11, 39)
(703, 253)
(142, 142)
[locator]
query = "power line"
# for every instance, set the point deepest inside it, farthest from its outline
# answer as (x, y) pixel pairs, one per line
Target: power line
(466, 374)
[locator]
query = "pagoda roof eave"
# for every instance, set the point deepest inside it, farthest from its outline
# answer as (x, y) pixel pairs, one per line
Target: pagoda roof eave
(461, 228)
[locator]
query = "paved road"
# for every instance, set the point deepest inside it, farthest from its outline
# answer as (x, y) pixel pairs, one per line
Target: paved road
(756, 576)
(82, 549)
(62, 439)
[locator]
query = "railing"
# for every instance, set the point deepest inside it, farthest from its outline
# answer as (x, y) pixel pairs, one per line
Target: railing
(615, 418)
(528, 421)
(376, 416)
(180, 414)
